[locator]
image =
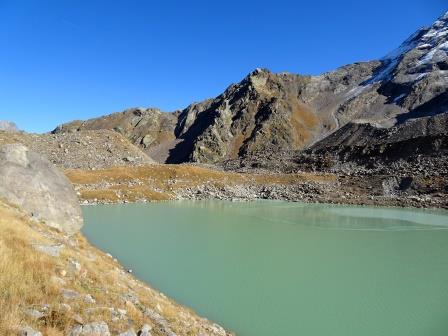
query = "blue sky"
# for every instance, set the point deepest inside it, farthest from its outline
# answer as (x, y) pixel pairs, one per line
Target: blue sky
(62, 60)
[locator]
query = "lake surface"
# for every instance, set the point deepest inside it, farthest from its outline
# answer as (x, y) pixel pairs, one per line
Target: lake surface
(277, 268)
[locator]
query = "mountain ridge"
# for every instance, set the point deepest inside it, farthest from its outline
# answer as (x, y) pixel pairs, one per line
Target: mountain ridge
(268, 111)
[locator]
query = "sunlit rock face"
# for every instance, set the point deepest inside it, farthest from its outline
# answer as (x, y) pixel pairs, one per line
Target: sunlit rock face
(31, 182)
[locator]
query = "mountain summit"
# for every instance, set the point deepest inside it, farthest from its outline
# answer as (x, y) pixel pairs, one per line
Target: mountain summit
(268, 112)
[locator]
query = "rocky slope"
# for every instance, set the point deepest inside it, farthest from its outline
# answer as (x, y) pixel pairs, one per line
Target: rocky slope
(149, 128)
(173, 182)
(283, 112)
(52, 281)
(54, 284)
(84, 150)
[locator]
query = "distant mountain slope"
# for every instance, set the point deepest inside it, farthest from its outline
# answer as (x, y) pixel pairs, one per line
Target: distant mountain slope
(282, 112)
(84, 149)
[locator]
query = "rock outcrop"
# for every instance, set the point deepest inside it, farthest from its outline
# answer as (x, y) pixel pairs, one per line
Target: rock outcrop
(150, 129)
(31, 182)
(8, 126)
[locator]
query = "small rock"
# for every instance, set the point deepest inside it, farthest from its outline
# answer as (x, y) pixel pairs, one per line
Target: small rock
(145, 331)
(131, 297)
(90, 329)
(51, 250)
(122, 311)
(69, 294)
(118, 314)
(27, 331)
(78, 319)
(63, 307)
(34, 313)
(130, 332)
(89, 299)
(74, 266)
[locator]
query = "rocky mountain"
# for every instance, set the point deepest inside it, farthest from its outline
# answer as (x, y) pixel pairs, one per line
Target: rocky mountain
(269, 112)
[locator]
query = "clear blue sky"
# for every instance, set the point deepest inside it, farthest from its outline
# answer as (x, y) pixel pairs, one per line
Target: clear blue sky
(62, 60)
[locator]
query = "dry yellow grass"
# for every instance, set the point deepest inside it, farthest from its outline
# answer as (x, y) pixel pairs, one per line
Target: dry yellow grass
(32, 279)
(25, 274)
(159, 182)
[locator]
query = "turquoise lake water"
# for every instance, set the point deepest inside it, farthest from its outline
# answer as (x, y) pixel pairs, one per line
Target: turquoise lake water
(278, 268)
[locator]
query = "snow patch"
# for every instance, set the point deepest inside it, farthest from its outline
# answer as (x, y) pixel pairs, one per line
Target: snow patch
(391, 60)
(399, 97)
(427, 58)
(424, 46)
(356, 91)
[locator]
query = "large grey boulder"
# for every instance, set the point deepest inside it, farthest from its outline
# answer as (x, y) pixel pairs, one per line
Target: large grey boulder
(8, 126)
(30, 181)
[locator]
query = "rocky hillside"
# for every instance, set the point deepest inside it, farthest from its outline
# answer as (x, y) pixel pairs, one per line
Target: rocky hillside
(283, 112)
(149, 128)
(84, 150)
(53, 282)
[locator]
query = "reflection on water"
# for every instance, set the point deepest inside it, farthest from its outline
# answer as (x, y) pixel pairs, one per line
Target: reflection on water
(278, 268)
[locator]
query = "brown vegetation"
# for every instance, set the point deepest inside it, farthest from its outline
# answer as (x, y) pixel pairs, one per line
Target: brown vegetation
(160, 182)
(30, 279)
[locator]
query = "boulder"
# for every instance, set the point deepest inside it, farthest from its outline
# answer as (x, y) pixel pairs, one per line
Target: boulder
(31, 182)
(8, 126)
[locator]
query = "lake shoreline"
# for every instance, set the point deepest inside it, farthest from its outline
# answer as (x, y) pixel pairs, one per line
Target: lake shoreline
(188, 182)
(398, 202)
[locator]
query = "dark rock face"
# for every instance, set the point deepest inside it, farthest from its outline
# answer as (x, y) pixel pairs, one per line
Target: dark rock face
(287, 112)
(31, 182)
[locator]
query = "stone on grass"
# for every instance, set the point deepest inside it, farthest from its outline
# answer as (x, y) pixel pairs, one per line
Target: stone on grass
(27, 331)
(129, 332)
(51, 250)
(90, 329)
(69, 294)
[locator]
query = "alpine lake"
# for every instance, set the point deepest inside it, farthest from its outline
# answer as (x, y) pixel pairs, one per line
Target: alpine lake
(278, 268)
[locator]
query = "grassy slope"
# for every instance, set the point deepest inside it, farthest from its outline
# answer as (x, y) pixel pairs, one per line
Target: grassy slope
(32, 279)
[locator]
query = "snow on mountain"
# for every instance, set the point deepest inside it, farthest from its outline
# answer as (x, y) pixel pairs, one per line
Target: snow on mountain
(429, 44)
